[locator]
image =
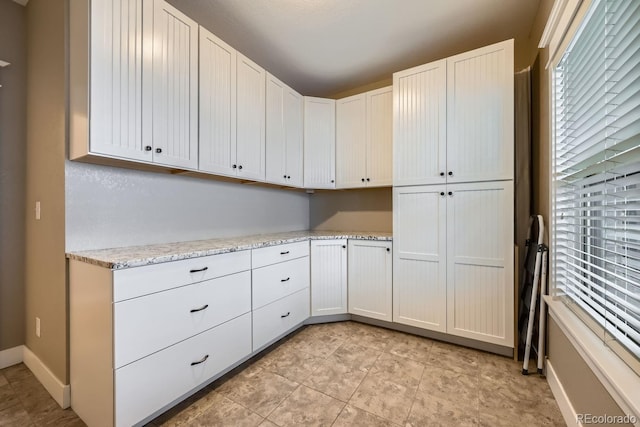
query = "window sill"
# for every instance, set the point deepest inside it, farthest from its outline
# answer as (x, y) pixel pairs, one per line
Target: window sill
(619, 380)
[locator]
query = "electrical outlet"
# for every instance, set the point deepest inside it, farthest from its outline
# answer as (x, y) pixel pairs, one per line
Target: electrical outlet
(38, 210)
(38, 327)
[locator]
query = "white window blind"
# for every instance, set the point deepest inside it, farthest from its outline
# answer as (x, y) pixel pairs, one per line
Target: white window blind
(596, 174)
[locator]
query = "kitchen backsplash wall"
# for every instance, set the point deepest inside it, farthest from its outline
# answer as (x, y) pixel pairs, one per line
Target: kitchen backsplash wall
(112, 207)
(352, 210)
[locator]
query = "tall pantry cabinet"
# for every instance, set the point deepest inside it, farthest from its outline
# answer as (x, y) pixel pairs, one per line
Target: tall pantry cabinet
(453, 195)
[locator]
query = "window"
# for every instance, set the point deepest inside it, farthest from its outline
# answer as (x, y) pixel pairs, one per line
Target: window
(596, 175)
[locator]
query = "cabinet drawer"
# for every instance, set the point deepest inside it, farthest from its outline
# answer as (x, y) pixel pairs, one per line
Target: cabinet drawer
(147, 324)
(278, 317)
(276, 281)
(138, 281)
(144, 387)
(274, 254)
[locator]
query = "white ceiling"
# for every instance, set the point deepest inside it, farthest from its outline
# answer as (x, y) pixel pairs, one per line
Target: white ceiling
(322, 47)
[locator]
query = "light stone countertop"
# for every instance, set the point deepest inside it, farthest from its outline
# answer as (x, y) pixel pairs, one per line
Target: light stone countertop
(137, 256)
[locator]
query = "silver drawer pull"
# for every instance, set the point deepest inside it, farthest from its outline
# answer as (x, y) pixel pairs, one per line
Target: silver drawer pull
(285, 315)
(204, 359)
(285, 280)
(195, 310)
(198, 270)
(284, 253)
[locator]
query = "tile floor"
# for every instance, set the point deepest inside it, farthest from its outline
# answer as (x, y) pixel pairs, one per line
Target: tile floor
(339, 374)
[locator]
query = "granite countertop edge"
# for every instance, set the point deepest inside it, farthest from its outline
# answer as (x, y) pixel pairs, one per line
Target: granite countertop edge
(138, 256)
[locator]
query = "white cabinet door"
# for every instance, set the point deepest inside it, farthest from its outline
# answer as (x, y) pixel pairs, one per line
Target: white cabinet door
(351, 142)
(480, 114)
(116, 79)
(284, 129)
(217, 105)
(294, 129)
(480, 261)
(379, 137)
(319, 142)
(328, 277)
(420, 125)
(250, 117)
(170, 87)
(370, 280)
(419, 260)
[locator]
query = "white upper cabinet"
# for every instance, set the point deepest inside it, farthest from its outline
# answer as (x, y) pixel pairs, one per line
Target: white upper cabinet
(116, 79)
(420, 125)
(379, 137)
(420, 259)
(284, 133)
(250, 119)
(480, 140)
(364, 139)
(170, 86)
(351, 141)
(319, 142)
(217, 105)
(453, 119)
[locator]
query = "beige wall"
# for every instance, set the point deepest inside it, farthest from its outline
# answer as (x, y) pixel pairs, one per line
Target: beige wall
(587, 394)
(45, 267)
(365, 210)
(12, 179)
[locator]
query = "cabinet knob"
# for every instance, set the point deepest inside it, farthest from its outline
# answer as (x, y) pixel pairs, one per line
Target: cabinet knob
(147, 148)
(368, 179)
(344, 246)
(288, 176)
(388, 249)
(240, 167)
(158, 150)
(441, 173)
(450, 193)
(284, 176)
(442, 193)
(450, 173)
(234, 166)
(362, 179)
(333, 180)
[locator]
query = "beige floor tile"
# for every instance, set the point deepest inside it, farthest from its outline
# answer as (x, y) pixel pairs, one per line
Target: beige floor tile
(342, 330)
(224, 412)
(187, 410)
(544, 413)
(15, 416)
(3, 380)
(389, 388)
(17, 373)
(7, 397)
(373, 336)
(444, 384)
(355, 356)
(315, 342)
(453, 357)
(494, 366)
(294, 365)
(354, 417)
(411, 347)
(258, 390)
(307, 407)
(435, 411)
(267, 423)
(60, 418)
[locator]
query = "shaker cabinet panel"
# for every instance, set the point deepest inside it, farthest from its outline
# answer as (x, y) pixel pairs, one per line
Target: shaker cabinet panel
(319, 142)
(379, 137)
(370, 279)
(217, 105)
(328, 277)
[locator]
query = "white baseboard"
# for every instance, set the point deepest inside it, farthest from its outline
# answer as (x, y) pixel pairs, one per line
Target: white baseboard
(566, 408)
(11, 356)
(60, 392)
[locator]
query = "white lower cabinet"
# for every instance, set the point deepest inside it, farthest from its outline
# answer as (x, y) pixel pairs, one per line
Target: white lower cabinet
(370, 279)
(273, 320)
(453, 265)
(328, 277)
(149, 384)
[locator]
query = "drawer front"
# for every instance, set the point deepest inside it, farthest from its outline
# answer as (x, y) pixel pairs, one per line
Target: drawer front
(279, 280)
(278, 317)
(147, 385)
(150, 323)
(274, 254)
(138, 281)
